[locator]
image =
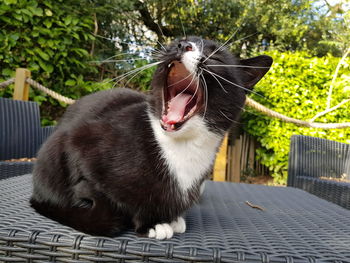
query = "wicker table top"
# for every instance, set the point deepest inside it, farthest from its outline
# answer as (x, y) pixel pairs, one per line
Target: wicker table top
(294, 227)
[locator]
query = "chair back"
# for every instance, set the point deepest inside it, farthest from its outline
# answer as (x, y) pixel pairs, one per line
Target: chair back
(20, 130)
(320, 167)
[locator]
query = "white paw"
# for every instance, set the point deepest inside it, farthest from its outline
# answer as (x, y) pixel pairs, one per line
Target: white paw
(179, 225)
(161, 231)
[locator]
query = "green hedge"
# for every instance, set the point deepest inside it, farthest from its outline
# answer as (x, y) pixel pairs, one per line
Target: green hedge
(297, 86)
(52, 39)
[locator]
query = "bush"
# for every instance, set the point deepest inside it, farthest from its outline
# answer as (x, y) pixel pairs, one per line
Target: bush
(51, 38)
(297, 86)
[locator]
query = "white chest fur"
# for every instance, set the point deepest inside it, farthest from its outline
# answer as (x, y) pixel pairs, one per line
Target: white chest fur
(189, 152)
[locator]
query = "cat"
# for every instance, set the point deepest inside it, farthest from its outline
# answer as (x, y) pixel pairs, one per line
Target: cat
(120, 159)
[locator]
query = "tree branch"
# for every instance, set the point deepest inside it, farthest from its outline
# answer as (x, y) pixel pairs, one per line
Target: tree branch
(329, 110)
(150, 23)
(335, 75)
(95, 33)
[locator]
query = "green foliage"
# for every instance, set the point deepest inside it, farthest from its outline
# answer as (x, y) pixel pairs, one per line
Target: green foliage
(297, 86)
(286, 25)
(51, 39)
(143, 80)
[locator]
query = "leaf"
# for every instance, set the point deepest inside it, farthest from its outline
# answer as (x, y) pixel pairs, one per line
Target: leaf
(9, 2)
(42, 54)
(7, 72)
(48, 23)
(14, 36)
(70, 82)
(67, 20)
(48, 12)
(45, 66)
(37, 11)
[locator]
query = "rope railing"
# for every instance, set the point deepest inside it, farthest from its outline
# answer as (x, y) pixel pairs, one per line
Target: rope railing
(249, 102)
(7, 82)
(255, 105)
(49, 92)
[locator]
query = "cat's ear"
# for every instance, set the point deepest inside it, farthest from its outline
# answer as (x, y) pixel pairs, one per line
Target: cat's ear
(254, 69)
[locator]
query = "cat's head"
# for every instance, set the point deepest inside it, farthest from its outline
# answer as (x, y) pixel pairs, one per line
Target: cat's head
(199, 77)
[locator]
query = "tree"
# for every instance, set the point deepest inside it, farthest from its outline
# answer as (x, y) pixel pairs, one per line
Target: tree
(287, 25)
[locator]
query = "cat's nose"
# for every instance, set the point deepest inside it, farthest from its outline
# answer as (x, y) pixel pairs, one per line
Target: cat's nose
(185, 46)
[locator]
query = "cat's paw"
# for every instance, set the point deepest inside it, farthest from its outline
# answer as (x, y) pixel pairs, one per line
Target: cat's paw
(178, 225)
(161, 231)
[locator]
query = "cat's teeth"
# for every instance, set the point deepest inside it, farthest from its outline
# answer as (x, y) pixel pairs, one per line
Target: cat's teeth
(173, 127)
(190, 112)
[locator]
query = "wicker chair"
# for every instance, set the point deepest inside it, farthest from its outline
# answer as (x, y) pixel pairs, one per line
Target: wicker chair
(20, 135)
(321, 167)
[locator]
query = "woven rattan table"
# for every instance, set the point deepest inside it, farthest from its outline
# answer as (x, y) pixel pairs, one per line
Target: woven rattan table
(294, 227)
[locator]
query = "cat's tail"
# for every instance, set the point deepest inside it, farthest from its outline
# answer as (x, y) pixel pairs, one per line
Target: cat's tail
(100, 219)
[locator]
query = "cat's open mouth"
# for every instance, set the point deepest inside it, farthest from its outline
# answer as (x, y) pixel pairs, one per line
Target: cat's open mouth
(183, 97)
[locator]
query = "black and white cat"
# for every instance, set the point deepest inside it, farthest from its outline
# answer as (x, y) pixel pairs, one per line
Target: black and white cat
(119, 158)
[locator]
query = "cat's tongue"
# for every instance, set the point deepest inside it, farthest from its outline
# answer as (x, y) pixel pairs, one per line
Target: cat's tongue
(176, 108)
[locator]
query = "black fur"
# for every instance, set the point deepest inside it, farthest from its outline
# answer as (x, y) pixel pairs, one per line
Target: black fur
(102, 169)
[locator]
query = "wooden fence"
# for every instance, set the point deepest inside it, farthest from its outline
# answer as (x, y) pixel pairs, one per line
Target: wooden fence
(237, 157)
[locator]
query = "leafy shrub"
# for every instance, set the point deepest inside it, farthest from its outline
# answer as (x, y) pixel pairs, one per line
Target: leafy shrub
(51, 39)
(297, 86)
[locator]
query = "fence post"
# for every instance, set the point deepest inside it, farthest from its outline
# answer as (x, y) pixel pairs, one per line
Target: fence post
(219, 173)
(21, 91)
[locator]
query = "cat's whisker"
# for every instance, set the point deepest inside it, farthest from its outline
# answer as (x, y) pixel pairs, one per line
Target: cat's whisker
(140, 71)
(160, 52)
(157, 54)
(118, 60)
(194, 95)
(212, 74)
(161, 31)
(223, 114)
(194, 76)
(135, 71)
(140, 68)
(242, 38)
(235, 84)
(117, 55)
(161, 45)
(202, 47)
(205, 94)
(109, 59)
(222, 46)
(181, 80)
(123, 42)
(236, 66)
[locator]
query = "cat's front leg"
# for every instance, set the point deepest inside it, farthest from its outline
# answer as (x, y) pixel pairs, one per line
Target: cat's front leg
(166, 231)
(179, 225)
(161, 230)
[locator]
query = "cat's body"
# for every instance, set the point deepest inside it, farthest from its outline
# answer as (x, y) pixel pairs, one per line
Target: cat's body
(120, 158)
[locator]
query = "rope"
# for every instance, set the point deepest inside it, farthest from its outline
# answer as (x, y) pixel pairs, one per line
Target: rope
(7, 82)
(249, 102)
(274, 114)
(51, 93)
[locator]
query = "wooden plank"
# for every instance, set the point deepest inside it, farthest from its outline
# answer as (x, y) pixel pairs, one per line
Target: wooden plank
(219, 173)
(236, 168)
(251, 153)
(21, 91)
(244, 152)
(229, 160)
